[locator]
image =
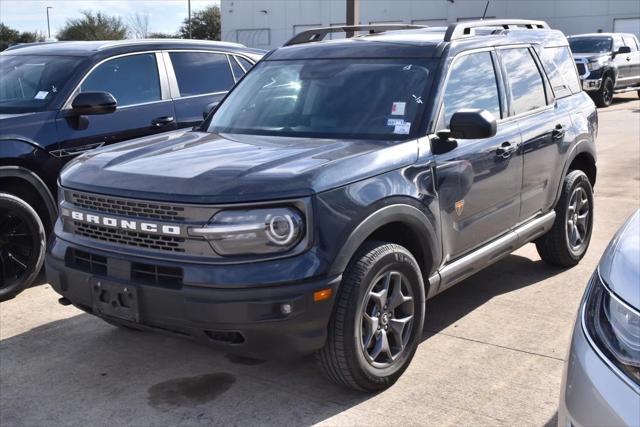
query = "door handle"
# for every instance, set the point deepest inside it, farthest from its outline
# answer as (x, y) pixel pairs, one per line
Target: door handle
(505, 150)
(162, 121)
(628, 58)
(558, 132)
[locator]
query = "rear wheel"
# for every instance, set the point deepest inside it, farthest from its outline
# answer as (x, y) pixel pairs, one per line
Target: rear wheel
(22, 245)
(377, 320)
(604, 96)
(567, 242)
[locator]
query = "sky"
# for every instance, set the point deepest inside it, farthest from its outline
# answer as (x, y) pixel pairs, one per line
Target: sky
(30, 15)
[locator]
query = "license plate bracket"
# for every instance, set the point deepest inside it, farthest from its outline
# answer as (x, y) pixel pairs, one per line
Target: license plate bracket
(115, 300)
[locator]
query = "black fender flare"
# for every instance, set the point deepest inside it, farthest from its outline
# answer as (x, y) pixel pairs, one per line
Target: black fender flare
(583, 146)
(404, 213)
(36, 182)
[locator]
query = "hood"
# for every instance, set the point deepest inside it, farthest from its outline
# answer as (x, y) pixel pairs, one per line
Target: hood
(620, 264)
(198, 167)
(35, 128)
(591, 56)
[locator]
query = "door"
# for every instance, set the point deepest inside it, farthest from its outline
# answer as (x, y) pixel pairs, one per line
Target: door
(621, 61)
(479, 180)
(544, 124)
(143, 107)
(201, 78)
(633, 60)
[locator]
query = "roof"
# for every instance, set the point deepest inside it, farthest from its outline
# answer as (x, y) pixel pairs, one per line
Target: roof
(89, 48)
(600, 35)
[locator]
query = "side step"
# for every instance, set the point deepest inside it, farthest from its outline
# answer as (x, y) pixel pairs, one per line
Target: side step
(626, 89)
(470, 264)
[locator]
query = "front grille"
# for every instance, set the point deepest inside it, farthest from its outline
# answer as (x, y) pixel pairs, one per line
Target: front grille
(85, 261)
(130, 238)
(156, 275)
(130, 208)
(581, 68)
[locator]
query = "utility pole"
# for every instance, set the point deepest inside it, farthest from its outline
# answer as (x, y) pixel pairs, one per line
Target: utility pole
(48, 24)
(353, 14)
(189, 19)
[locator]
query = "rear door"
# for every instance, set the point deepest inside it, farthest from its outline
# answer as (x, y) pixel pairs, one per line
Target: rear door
(479, 180)
(198, 79)
(544, 125)
(144, 105)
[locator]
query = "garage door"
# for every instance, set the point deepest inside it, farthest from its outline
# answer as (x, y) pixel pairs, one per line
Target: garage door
(627, 25)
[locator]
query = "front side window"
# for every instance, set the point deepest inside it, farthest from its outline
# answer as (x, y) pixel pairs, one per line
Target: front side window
(131, 79)
(561, 70)
(590, 44)
(472, 84)
(525, 81)
(199, 73)
(332, 98)
(30, 83)
(631, 42)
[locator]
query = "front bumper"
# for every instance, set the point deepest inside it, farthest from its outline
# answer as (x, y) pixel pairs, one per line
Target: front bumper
(591, 84)
(592, 394)
(244, 320)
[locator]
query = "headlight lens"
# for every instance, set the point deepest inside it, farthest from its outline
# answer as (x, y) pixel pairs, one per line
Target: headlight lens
(253, 232)
(614, 327)
(595, 65)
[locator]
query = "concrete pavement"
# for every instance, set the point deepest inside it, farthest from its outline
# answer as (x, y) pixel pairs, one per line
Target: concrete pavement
(492, 353)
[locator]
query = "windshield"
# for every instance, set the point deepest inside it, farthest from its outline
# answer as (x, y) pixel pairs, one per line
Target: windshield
(590, 44)
(328, 98)
(30, 83)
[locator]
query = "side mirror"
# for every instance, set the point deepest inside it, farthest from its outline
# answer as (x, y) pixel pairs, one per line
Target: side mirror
(623, 50)
(470, 124)
(92, 103)
(209, 108)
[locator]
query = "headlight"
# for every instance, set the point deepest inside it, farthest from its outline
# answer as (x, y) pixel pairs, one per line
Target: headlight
(614, 326)
(595, 65)
(253, 232)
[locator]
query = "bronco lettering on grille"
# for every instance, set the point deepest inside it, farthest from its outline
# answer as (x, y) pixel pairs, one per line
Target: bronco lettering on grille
(122, 224)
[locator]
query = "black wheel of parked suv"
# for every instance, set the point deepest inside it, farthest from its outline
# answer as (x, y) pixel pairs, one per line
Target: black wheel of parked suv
(567, 242)
(22, 245)
(377, 320)
(604, 96)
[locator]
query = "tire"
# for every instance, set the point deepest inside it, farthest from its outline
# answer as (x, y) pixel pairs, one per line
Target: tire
(22, 245)
(344, 358)
(558, 246)
(604, 96)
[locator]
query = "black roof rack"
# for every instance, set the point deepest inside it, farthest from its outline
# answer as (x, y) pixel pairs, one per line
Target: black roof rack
(318, 34)
(463, 29)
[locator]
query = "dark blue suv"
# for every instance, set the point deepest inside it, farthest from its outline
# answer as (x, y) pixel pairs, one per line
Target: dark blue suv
(61, 99)
(338, 186)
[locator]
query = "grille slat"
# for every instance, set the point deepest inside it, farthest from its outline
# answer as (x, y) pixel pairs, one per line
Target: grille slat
(129, 237)
(128, 208)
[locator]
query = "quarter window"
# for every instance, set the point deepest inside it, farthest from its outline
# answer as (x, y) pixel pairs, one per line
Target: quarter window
(472, 84)
(200, 73)
(561, 71)
(130, 79)
(525, 81)
(245, 64)
(238, 71)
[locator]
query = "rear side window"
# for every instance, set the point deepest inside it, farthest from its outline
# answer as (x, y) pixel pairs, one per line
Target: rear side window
(200, 73)
(525, 81)
(130, 79)
(631, 42)
(472, 84)
(561, 71)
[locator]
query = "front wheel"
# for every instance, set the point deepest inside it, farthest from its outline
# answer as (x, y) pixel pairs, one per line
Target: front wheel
(567, 242)
(377, 320)
(22, 245)
(604, 96)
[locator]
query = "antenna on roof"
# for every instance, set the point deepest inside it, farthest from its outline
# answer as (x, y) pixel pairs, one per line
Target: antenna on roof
(485, 10)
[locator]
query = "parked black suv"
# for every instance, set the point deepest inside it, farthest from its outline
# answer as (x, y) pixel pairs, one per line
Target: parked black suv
(61, 99)
(338, 186)
(607, 63)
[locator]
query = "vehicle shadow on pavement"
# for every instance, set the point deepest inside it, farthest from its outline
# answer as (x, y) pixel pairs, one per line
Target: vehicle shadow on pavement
(81, 370)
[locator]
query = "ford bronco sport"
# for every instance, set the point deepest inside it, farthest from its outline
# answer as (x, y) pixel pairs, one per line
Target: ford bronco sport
(338, 186)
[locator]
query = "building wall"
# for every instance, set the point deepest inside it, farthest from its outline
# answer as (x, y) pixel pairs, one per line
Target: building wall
(270, 23)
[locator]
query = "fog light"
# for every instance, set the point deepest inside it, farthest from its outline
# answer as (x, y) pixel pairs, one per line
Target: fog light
(285, 308)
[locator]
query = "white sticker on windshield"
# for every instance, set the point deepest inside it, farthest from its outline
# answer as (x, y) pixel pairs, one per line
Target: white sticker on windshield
(41, 95)
(394, 122)
(402, 129)
(397, 109)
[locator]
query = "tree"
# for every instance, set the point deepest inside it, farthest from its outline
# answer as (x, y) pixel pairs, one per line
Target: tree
(9, 36)
(139, 26)
(163, 36)
(205, 24)
(92, 26)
